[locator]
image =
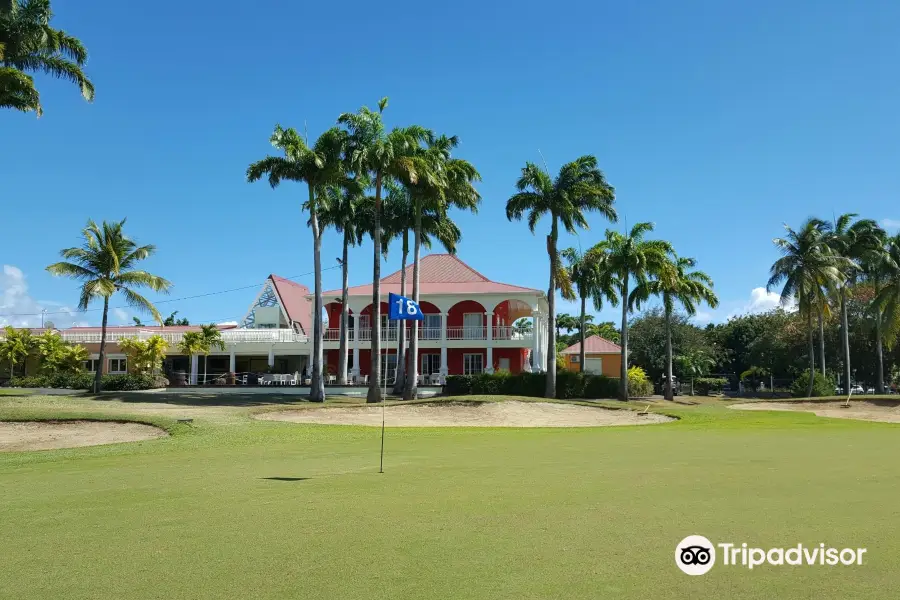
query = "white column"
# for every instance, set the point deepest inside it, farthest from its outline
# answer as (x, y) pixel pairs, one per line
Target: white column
(535, 352)
(271, 356)
(355, 370)
(489, 367)
(231, 361)
(444, 370)
(545, 334)
(195, 363)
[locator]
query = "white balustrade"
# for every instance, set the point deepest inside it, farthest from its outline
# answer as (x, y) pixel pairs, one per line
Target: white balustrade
(229, 336)
(466, 333)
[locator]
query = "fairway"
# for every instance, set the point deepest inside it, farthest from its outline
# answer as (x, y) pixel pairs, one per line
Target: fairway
(234, 507)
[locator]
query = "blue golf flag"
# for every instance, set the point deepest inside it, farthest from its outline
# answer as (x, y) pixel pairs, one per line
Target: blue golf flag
(401, 308)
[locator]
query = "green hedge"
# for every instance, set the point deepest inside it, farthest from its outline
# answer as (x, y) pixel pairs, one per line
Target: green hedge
(568, 385)
(85, 381)
(704, 386)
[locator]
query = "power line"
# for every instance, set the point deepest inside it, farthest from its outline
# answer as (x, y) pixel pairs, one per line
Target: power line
(166, 301)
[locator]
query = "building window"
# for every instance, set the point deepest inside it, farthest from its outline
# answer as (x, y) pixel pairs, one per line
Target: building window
(117, 365)
(431, 364)
(576, 358)
(473, 364)
(473, 326)
(91, 365)
(432, 328)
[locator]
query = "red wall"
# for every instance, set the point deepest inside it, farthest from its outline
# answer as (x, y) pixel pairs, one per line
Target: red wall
(516, 358)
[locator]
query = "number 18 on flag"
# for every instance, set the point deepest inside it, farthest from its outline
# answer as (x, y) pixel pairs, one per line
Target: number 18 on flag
(401, 308)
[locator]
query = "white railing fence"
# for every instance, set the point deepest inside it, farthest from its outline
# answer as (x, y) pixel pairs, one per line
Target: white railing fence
(229, 336)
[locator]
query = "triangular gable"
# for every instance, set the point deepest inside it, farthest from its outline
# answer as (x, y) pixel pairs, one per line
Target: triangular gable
(268, 296)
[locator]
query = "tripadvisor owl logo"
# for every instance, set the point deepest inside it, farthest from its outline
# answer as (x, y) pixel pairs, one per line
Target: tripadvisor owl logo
(696, 555)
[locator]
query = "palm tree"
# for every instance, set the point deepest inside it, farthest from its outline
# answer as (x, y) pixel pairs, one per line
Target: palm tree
(211, 339)
(449, 184)
(15, 347)
(580, 187)
(341, 208)
(879, 266)
(695, 363)
(856, 243)
(565, 322)
(191, 343)
(28, 43)
(886, 304)
(590, 274)
(810, 271)
(104, 264)
(317, 167)
(523, 326)
(677, 283)
(607, 330)
(381, 155)
(398, 220)
(630, 256)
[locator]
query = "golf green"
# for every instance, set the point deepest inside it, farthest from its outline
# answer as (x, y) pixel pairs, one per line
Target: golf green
(232, 507)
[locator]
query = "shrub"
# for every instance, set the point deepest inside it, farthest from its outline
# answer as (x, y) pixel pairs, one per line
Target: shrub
(600, 386)
(458, 385)
(822, 386)
(705, 386)
(72, 381)
(569, 384)
(127, 383)
(639, 385)
(30, 381)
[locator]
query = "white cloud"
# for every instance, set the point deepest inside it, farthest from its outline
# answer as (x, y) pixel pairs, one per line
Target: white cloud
(122, 316)
(891, 224)
(762, 300)
(19, 309)
(227, 323)
(702, 317)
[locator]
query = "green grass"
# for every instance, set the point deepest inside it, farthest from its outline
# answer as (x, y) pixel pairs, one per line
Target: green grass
(238, 508)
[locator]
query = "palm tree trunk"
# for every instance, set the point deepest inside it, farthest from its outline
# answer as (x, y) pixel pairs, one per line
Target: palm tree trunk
(205, 365)
(345, 312)
(401, 329)
(669, 394)
(317, 389)
(412, 374)
(822, 341)
(623, 371)
(550, 389)
(374, 394)
(812, 354)
(879, 353)
(581, 352)
(846, 334)
(99, 374)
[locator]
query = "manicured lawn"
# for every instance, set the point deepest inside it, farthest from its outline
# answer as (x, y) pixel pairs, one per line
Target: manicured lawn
(237, 508)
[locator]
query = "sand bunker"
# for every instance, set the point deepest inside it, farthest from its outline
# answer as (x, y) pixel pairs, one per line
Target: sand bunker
(488, 414)
(50, 435)
(864, 411)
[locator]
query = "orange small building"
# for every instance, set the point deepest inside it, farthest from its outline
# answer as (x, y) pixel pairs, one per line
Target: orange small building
(601, 356)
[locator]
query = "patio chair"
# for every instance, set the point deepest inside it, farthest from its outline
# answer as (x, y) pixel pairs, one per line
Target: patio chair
(331, 379)
(243, 380)
(293, 379)
(435, 377)
(267, 379)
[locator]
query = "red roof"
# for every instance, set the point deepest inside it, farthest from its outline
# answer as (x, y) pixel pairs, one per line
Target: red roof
(439, 274)
(594, 345)
(295, 300)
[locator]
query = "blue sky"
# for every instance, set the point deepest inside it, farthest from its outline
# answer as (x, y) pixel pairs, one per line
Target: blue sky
(718, 121)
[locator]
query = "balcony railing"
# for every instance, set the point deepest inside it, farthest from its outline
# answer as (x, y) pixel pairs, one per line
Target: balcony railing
(466, 333)
(334, 334)
(229, 336)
